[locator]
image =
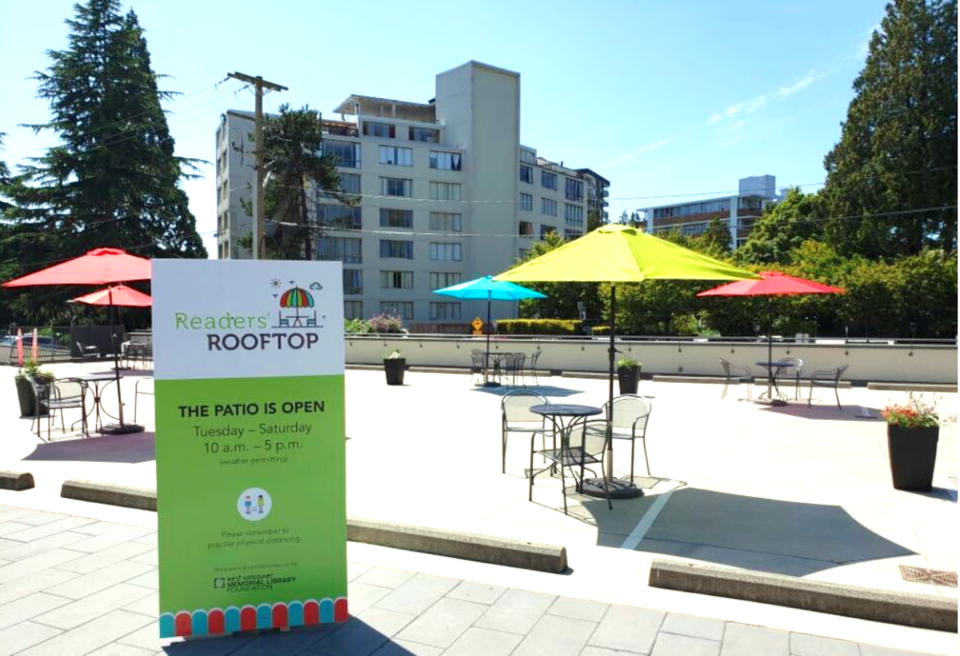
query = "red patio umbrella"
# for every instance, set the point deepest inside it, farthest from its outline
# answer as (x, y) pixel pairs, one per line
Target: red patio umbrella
(771, 283)
(116, 295)
(100, 266)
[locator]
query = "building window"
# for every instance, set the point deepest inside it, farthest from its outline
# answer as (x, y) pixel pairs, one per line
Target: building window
(526, 229)
(526, 174)
(339, 217)
(396, 187)
(548, 206)
(573, 215)
(396, 218)
(350, 183)
(352, 281)
(396, 280)
(382, 130)
(444, 311)
(546, 230)
(444, 191)
(528, 156)
(444, 161)
(347, 153)
(526, 202)
(548, 180)
(444, 252)
(573, 189)
(345, 249)
(403, 309)
(571, 234)
(396, 248)
(353, 309)
(425, 134)
(441, 280)
(445, 221)
(396, 156)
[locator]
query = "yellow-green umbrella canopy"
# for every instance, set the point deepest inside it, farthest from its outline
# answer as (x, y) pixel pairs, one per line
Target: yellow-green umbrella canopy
(619, 253)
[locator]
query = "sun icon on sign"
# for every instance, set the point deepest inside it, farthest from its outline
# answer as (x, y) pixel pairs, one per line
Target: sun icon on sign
(275, 283)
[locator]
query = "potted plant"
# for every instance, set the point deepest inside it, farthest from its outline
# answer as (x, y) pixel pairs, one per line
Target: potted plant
(628, 374)
(394, 365)
(25, 391)
(913, 430)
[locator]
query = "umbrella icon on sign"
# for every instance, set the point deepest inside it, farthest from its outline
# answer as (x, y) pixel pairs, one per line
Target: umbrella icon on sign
(297, 298)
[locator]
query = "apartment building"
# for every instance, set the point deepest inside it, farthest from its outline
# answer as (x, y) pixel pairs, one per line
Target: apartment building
(738, 212)
(446, 194)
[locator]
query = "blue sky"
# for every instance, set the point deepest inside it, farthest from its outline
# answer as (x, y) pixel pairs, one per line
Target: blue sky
(662, 98)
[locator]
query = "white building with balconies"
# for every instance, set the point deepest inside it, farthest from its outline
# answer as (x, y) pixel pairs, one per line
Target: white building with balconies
(446, 194)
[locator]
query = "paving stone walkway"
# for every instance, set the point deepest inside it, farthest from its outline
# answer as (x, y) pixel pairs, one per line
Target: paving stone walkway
(71, 586)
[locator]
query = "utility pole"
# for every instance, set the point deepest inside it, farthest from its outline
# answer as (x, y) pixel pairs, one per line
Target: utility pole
(259, 227)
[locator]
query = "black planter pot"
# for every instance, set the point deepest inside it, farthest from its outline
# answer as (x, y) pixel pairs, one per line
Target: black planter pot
(394, 368)
(629, 378)
(913, 453)
(26, 399)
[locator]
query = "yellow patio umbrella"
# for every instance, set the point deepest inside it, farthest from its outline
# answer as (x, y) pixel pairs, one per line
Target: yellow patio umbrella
(619, 253)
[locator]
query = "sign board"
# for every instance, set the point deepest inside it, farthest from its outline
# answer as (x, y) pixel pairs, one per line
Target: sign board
(251, 445)
(477, 324)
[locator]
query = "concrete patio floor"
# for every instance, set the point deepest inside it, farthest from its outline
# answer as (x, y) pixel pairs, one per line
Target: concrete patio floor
(790, 490)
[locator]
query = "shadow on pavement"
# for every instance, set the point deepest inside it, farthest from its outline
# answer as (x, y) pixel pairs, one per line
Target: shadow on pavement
(783, 537)
(354, 636)
(130, 449)
(824, 411)
(544, 390)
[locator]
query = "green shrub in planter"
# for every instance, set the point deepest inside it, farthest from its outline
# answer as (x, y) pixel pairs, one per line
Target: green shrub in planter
(628, 375)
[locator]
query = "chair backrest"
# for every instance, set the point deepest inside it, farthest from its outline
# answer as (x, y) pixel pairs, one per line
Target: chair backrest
(792, 363)
(631, 411)
(534, 358)
(69, 389)
(477, 352)
(726, 366)
(41, 389)
(477, 359)
(514, 361)
(515, 406)
(840, 371)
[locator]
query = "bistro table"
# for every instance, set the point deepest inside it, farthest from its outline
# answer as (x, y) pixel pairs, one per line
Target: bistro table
(565, 417)
(98, 380)
(773, 394)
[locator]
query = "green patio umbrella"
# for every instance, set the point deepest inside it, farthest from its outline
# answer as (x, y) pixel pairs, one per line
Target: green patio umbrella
(614, 254)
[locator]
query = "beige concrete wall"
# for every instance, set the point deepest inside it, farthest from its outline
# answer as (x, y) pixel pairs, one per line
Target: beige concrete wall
(868, 362)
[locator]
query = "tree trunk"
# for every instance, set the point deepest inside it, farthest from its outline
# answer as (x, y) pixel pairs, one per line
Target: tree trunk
(305, 220)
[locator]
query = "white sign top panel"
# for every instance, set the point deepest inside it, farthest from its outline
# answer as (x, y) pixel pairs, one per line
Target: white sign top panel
(247, 319)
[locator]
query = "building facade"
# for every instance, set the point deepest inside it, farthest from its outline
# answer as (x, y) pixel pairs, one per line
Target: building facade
(738, 212)
(446, 193)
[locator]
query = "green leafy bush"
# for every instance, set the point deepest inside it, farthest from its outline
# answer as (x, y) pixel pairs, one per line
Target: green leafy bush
(539, 326)
(355, 326)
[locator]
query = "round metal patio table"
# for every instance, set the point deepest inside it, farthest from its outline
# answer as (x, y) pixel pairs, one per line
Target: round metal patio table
(565, 417)
(773, 395)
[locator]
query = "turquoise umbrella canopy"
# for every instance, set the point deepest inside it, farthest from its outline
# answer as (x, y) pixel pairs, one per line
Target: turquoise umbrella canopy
(488, 289)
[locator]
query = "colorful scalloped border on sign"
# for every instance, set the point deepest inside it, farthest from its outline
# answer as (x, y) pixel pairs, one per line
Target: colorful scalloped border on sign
(218, 621)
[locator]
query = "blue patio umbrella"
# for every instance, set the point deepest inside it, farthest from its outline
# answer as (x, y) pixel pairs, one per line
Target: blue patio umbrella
(487, 289)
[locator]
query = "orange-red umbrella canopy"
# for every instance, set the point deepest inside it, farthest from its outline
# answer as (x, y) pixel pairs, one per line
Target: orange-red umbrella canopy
(118, 295)
(101, 266)
(772, 283)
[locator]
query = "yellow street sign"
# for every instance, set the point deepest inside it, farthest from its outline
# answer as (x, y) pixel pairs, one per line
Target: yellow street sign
(477, 326)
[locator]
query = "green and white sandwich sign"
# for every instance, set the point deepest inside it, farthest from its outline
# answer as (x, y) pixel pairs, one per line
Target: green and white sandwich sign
(251, 498)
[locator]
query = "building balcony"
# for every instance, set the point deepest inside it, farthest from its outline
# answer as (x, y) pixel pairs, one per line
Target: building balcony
(340, 129)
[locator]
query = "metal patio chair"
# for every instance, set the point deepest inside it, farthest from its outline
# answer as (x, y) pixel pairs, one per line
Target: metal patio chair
(515, 417)
(58, 395)
(513, 367)
(631, 413)
(532, 366)
(738, 373)
(585, 448)
(827, 378)
(87, 353)
(137, 392)
(785, 374)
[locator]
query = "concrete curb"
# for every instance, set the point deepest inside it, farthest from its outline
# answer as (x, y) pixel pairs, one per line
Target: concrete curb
(913, 387)
(922, 611)
(455, 544)
(113, 495)
(14, 480)
(439, 542)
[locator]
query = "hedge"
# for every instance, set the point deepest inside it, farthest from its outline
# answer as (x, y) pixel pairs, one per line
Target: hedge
(539, 326)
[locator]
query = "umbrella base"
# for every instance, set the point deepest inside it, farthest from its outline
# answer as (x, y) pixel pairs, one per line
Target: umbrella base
(120, 429)
(773, 402)
(620, 488)
(490, 383)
